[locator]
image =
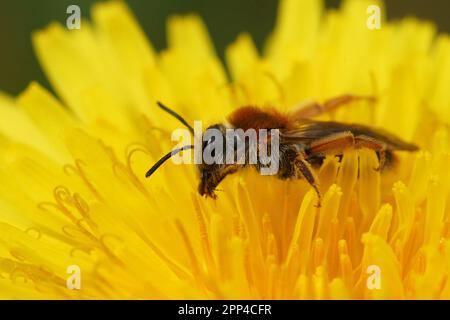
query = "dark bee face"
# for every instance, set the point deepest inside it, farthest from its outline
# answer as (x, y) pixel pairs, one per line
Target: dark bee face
(213, 159)
(207, 183)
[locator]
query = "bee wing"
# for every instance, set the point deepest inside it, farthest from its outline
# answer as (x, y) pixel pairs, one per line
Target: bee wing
(311, 130)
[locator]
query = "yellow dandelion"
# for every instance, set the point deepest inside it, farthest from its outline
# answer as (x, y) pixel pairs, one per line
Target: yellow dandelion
(74, 199)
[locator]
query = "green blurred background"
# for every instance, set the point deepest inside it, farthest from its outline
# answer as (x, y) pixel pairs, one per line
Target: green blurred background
(225, 20)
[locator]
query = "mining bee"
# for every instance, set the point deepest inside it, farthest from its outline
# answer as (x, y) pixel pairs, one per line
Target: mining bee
(303, 142)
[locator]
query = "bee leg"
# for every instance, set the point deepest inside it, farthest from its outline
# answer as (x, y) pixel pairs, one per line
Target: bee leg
(312, 109)
(304, 169)
(338, 142)
(363, 141)
(332, 144)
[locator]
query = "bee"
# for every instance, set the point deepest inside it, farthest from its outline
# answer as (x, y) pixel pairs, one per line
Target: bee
(303, 142)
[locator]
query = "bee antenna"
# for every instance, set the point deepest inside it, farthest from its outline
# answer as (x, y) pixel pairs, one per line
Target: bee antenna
(175, 115)
(165, 158)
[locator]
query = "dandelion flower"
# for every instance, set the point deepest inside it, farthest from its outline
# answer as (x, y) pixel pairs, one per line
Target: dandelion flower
(72, 165)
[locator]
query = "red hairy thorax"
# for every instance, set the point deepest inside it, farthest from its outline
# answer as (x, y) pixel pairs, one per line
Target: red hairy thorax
(255, 118)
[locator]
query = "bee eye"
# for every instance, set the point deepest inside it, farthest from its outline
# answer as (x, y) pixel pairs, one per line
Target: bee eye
(208, 142)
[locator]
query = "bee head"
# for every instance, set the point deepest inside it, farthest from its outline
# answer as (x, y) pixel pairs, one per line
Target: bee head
(212, 169)
(213, 159)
